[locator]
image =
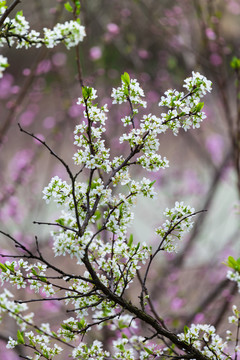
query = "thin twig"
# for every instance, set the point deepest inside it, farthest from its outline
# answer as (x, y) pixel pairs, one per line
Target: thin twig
(8, 11)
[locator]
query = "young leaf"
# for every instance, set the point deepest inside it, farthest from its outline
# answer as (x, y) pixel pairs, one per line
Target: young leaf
(137, 247)
(81, 324)
(19, 13)
(68, 7)
(20, 337)
(150, 352)
(60, 221)
(34, 272)
(3, 267)
(152, 183)
(86, 92)
(130, 241)
(235, 63)
(198, 107)
(66, 327)
(231, 262)
(125, 78)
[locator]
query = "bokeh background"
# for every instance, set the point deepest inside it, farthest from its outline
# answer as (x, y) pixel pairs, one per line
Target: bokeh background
(159, 43)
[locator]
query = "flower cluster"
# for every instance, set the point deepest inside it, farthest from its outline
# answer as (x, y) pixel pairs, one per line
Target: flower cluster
(14, 309)
(173, 229)
(94, 351)
(17, 32)
(234, 276)
(41, 344)
(88, 136)
(71, 33)
(3, 64)
(129, 90)
(235, 318)
(205, 339)
(22, 274)
(186, 110)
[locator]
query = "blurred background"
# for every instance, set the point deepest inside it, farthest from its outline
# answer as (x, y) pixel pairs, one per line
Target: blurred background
(159, 43)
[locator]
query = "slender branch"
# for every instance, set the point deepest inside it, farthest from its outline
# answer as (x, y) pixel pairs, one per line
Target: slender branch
(72, 177)
(146, 318)
(56, 224)
(171, 229)
(8, 11)
(41, 258)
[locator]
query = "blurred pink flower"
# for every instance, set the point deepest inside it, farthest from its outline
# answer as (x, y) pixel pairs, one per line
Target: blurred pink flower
(113, 28)
(51, 306)
(192, 183)
(59, 59)
(125, 12)
(152, 96)
(75, 110)
(215, 59)
(234, 7)
(95, 53)
(20, 166)
(143, 54)
(177, 303)
(26, 72)
(26, 118)
(49, 122)
(7, 354)
(44, 67)
(199, 318)
(215, 146)
(210, 34)
(6, 85)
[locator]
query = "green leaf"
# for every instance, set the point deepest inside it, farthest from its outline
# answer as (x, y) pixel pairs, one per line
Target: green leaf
(3, 267)
(81, 324)
(182, 114)
(152, 183)
(34, 272)
(60, 221)
(121, 210)
(20, 337)
(32, 343)
(19, 13)
(150, 352)
(66, 327)
(130, 241)
(125, 78)
(186, 329)
(137, 247)
(86, 92)
(10, 267)
(231, 262)
(235, 63)
(199, 107)
(78, 7)
(121, 347)
(68, 7)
